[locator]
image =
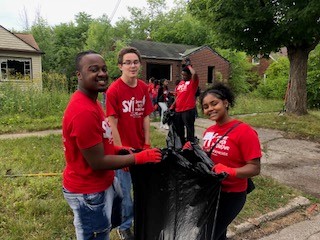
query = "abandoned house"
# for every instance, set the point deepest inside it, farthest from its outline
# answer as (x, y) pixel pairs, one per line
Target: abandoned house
(164, 60)
(20, 59)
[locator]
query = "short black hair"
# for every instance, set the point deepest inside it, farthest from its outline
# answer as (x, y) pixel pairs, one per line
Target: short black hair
(221, 91)
(80, 55)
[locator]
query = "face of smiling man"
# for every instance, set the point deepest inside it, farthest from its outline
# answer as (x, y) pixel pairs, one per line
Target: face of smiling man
(93, 75)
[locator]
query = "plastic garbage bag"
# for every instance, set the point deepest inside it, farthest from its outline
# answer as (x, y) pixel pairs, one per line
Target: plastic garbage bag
(174, 199)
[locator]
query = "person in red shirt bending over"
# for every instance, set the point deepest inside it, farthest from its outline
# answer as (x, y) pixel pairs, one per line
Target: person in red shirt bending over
(128, 109)
(185, 104)
(89, 185)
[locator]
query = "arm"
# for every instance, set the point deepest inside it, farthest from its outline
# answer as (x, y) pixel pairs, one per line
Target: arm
(194, 75)
(114, 128)
(251, 169)
(98, 161)
(146, 130)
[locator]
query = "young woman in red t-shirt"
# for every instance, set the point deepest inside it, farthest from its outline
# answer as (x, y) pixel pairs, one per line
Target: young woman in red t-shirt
(237, 154)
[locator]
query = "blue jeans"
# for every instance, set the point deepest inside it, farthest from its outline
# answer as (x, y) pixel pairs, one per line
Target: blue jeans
(93, 212)
(127, 203)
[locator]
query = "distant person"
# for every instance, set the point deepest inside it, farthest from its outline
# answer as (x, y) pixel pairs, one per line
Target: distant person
(185, 103)
(234, 148)
(151, 86)
(156, 86)
(128, 109)
(89, 185)
(163, 100)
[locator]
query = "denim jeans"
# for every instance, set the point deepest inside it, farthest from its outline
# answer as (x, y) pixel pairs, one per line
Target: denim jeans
(92, 212)
(127, 203)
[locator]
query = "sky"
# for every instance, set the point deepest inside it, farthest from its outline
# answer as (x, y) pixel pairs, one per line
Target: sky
(63, 11)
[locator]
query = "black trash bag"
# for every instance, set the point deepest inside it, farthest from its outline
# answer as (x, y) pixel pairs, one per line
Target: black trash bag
(174, 199)
(173, 141)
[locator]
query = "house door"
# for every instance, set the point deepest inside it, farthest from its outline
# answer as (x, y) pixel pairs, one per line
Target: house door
(159, 71)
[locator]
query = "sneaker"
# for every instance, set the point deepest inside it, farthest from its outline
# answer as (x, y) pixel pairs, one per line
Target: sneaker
(125, 234)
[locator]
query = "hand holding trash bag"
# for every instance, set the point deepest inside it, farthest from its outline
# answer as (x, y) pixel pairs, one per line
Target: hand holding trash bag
(187, 145)
(146, 146)
(149, 155)
(122, 150)
(220, 168)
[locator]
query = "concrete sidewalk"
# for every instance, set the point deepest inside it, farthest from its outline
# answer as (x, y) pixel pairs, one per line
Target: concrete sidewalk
(293, 162)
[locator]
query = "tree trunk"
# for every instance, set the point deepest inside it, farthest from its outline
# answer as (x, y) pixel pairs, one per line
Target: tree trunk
(297, 94)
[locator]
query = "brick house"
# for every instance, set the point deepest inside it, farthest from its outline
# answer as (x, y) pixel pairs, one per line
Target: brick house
(261, 63)
(20, 59)
(164, 60)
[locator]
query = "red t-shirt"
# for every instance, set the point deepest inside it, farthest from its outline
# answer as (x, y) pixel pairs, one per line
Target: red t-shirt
(186, 95)
(150, 88)
(154, 91)
(234, 150)
(130, 105)
(84, 125)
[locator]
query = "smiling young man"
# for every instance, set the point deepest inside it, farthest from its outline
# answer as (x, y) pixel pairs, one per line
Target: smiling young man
(128, 108)
(89, 185)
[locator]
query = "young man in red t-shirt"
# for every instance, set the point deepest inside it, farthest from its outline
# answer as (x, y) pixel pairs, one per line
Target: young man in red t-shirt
(185, 104)
(128, 108)
(89, 185)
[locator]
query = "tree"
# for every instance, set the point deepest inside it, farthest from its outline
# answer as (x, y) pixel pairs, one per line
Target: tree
(261, 26)
(178, 26)
(44, 36)
(100, 35)
(24, 20)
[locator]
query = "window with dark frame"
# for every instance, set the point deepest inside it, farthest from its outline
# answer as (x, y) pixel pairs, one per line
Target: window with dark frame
(210, 74)
(15, 68)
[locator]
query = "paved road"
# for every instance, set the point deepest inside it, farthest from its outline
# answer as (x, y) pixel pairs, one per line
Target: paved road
(293, 162)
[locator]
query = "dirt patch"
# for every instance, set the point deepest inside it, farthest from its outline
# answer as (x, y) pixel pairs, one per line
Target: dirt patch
(277, 225)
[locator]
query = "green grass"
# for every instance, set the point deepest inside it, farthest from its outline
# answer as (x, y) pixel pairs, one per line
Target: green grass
(34, 208)
(246, 104)
(24, 123)
(302, 127)
(268, 196)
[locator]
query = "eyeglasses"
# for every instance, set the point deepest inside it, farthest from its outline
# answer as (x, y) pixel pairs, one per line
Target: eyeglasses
(129, 63)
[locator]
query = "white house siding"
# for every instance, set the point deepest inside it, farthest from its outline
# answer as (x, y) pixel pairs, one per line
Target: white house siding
(36, 68)
(10, 41)
(12, 46)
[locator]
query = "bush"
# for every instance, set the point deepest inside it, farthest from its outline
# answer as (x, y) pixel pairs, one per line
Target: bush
(52, 81)
(313, 79)
(31, 102)
(275, 85)
(240, 70)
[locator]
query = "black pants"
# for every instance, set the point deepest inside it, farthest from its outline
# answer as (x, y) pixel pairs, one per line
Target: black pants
(184, 120)
(230, 205)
